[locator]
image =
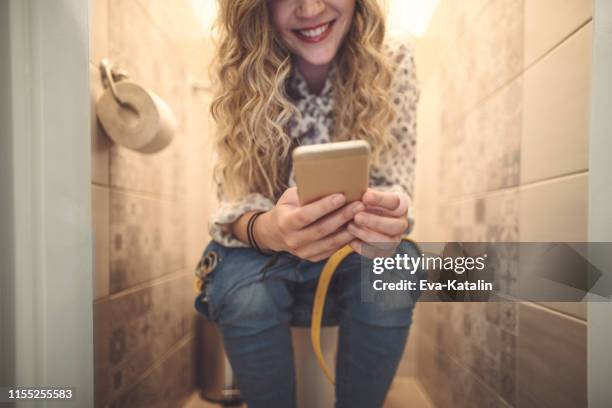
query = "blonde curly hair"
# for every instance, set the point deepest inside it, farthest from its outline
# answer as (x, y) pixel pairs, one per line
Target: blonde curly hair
(251, 107)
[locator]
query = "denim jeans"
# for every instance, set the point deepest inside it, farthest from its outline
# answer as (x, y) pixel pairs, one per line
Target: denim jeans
(255, 299)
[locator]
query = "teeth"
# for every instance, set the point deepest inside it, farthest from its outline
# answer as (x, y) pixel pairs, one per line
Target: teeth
(315, 31)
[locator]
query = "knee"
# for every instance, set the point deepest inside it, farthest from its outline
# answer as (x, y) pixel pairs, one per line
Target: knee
(253, 308)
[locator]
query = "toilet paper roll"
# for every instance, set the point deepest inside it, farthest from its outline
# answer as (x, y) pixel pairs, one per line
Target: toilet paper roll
(144, 123)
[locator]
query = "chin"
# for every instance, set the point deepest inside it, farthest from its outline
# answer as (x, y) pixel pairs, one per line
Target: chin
(318, 58)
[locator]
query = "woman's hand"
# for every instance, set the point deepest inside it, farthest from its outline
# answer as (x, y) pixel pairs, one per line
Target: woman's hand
(313, 231)
(383, 221)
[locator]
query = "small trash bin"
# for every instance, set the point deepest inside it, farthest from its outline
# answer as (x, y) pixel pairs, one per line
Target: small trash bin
(215, 376)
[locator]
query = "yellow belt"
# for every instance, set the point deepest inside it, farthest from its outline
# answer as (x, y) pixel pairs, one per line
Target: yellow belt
(319, 301)
(209, 262)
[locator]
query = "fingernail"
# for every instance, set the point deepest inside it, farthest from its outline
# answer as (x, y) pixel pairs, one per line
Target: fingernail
(338, 199)
(358, 208)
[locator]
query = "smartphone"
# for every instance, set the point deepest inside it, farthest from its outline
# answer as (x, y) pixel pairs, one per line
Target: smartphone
(328, 168)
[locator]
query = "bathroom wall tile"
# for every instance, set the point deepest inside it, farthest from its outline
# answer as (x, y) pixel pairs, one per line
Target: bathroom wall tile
(142, 326)
(147, 238)
(99, 31)
(490, 218)
(451, 20)
(481, 152)
(574, 309)
(450, 384)
(552, 357)
(159, 173)
(168, 384)
(100, 143)
(181, 22)
(556, 110)
(131, 34)
(498, 36)
(481, 337)
(459, 219)
(487, 56)
(426, 226)
(100, 199)
(143, 355)
(500, 213)
(102, 332)
(407, 365)
(432, 378)
(548, 22)
(407, 391)
(555, 211)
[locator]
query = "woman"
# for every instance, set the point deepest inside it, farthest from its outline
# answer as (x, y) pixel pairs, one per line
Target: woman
(295, 72)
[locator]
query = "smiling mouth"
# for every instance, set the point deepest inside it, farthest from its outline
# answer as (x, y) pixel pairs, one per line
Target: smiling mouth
(314, 34)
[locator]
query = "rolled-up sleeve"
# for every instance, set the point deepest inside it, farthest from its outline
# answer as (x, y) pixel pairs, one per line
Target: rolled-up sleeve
(228, 211)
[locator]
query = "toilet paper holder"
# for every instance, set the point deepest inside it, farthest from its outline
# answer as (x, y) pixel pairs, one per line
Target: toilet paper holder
(133, 116)
(110, 76)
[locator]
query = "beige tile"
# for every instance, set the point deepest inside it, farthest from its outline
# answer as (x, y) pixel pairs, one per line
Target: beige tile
(552, 360)
(100, 199)
(102, 333)
(555, 211)
(100, 143)
(486, 56)
(499, 212)
(426, 227)
(556, 110)
(148, 236)
(548, 22)
(99, 31)
(407, 365)
(575, 309)
(169, 383)
(407, 392)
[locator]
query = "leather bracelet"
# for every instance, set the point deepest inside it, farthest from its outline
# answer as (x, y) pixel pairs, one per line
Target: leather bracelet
(251, 234)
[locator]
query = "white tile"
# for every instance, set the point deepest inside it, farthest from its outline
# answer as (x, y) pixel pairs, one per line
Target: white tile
(548, 22)
(100, 200)
(556, 110)
(555, 210)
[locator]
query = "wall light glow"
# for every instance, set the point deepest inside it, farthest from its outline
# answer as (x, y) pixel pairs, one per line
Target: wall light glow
(205, 12)
(403, 16)
(409, 16)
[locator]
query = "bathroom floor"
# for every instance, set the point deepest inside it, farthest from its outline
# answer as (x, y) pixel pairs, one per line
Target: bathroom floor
(405, 392)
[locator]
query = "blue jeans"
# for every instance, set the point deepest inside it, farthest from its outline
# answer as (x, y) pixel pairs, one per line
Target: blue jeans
(255, 299)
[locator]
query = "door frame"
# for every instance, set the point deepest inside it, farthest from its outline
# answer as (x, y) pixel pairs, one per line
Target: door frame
(46, 211)
(599, 369)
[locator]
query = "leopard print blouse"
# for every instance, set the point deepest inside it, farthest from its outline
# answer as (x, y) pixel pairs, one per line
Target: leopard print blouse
(395, 171)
